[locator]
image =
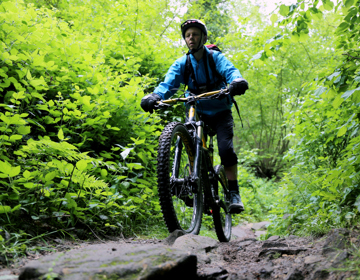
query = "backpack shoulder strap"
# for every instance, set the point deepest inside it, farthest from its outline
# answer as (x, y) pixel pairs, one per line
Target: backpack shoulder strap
(189, 72)
(213, 67)
(208, 82)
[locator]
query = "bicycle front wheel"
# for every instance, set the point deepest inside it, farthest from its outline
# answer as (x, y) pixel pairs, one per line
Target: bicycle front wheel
(181, 203)
(221, 216)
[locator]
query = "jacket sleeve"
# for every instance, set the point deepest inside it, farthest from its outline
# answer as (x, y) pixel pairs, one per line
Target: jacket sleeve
(226, 68)
(174, 77)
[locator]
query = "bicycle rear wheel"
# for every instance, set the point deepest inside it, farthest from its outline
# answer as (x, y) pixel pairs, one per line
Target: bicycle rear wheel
(181, 204)
(221, 217)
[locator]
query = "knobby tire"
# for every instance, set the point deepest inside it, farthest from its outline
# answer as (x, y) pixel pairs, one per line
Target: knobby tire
(181, 204)
(221, 218)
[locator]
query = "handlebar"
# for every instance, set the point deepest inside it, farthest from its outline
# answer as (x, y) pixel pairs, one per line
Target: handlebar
(218, 94)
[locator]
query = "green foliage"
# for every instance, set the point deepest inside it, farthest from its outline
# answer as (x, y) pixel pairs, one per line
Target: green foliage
(76, 151)
(321, 190)
(277, 64)
(256, 193)
(75, 148)
(214, 14)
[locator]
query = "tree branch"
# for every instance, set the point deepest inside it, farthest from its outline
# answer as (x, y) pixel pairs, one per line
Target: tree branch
(354, 57)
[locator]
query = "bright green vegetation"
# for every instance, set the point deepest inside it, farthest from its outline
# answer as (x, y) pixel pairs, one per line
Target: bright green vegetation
(78, 155)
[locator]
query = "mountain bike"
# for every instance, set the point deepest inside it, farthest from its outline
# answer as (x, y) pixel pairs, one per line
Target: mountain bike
(189, 185)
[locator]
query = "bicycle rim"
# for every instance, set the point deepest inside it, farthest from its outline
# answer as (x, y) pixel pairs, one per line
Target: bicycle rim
(222, 219)
(180, 204)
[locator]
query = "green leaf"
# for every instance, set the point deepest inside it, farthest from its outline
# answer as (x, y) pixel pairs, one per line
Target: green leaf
(349, 3)
(328, 5)
(24, 130)
(26, 174)
(15, 171)
(138, 142)
(344, 25)
(50, 176)
(17, 207)
(320, 90)
(5, 167)
(348, 93)
(258, 55)
(337, 102)
(103, 173)
(15, 137)
(82, 164)
(342, 131)
(29, 185)
(274, 18)
(284, 10)
(4, 209)
(335, 74)
(143, 157)
(20, 73)
(36, 83)
(135, 165)
(70, 201)
(61, 134)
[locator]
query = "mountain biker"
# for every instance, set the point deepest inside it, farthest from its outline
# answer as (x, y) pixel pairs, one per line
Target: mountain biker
(216, 113)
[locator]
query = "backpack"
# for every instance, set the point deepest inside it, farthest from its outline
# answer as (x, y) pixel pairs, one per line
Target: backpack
(189, 71)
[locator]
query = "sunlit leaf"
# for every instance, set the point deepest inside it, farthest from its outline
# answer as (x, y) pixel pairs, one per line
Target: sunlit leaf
(274, 18)
(337, 102)
(284, 10)
(61, 134)
(4, 209)
(104, 173)
(82, 164)
(342, 131)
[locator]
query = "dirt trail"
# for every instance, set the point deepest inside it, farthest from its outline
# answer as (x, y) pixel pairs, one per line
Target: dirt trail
(246, 257)
(287, 258)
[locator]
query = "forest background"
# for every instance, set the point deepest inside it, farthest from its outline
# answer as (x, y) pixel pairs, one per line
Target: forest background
(78, 155)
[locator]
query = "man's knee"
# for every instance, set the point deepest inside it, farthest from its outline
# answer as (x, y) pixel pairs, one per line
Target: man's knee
(228, 158)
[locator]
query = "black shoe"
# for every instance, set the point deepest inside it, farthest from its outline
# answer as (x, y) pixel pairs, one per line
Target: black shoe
(236, 206)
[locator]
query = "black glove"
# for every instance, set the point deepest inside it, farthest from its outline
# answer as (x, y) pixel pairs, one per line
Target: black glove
(238, 86)
(148, 102)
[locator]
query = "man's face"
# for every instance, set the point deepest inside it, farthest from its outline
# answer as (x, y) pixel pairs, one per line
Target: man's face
(193, 37)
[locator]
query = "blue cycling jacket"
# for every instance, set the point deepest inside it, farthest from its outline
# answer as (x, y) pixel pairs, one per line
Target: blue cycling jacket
(175, 76)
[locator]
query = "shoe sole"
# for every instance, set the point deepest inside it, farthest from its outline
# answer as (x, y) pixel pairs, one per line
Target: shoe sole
(236, 210)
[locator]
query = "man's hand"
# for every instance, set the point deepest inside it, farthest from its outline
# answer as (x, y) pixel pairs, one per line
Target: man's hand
(238, 86)
(148, 102)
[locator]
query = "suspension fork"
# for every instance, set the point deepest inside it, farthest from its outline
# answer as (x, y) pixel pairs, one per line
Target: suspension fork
(198, 153)
(203, 163)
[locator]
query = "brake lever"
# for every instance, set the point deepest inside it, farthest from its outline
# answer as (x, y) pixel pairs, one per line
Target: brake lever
(162, 105)
(221, 95)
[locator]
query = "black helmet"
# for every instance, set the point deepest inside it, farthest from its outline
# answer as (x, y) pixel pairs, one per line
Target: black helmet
(193, 23)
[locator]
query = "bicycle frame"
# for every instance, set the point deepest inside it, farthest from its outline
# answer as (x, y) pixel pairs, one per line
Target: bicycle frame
(203, 155)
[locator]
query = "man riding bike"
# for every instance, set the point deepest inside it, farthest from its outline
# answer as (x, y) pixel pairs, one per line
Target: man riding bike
(215, 113)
